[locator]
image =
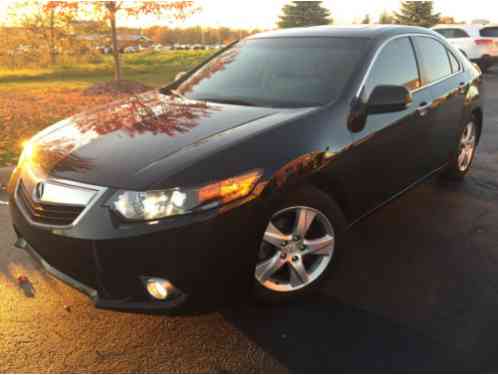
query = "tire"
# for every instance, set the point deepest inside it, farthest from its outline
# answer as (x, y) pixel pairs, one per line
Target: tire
(457, 168)
(307, 202)
(484, 66)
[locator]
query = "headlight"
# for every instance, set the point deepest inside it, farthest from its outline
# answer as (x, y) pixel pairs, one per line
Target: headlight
(159, 204)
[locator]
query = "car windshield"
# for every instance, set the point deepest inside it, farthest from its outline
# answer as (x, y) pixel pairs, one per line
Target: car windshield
(277, 72)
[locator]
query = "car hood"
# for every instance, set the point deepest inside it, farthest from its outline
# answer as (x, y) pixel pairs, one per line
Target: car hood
(108, 145)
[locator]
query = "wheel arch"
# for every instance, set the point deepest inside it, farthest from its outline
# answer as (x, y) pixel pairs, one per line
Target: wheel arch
(337, 192)
(478, 115)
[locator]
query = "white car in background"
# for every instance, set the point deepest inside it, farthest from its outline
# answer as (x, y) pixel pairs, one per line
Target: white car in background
(477, 42)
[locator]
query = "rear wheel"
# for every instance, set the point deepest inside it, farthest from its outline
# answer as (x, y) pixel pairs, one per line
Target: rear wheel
(461, 162)
(299, 247)
(484, 66)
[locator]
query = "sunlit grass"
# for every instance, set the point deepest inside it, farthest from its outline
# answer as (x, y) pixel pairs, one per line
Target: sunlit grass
(32, 99)
(148, 67)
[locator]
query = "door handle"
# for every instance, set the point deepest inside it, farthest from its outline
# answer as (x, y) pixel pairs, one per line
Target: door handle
(423, 108)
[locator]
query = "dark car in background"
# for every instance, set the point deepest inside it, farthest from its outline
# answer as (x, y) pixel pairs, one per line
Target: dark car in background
(243, 175)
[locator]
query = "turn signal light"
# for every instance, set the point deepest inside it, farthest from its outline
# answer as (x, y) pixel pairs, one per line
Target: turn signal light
(230, 189)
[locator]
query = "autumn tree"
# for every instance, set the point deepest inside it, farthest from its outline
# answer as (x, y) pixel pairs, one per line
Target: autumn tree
(304, 13)
(109, 11)
(12, 50)
(366, 20)
(447, 20)
(50, 27)
(417, 13)
(386, 18)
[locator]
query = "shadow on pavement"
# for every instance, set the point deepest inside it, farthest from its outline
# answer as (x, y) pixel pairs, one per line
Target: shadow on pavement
(416, 291)
(328, 336)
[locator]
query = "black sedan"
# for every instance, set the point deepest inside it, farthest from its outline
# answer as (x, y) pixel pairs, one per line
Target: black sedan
(242, 177)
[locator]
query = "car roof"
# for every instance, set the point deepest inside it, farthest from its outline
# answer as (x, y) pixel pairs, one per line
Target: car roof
(354, 31)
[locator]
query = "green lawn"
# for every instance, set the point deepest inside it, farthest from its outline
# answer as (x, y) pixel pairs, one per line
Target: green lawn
(151, 68)
(32, 99)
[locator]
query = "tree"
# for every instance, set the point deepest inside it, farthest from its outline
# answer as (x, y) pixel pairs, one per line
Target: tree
(46, 26)
(417, 13)
(447, 20)
(366, 20)
(386, 18)
(304, 13)
(110, 10)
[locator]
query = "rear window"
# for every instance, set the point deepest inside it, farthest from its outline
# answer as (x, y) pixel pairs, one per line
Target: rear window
(435, 59)
(455, 65)
(452, 33)
(490, 32)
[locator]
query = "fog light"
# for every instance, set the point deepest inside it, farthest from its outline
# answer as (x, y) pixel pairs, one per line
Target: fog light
(159, 288)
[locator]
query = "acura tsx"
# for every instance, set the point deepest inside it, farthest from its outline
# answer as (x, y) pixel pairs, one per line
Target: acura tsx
(243, 175)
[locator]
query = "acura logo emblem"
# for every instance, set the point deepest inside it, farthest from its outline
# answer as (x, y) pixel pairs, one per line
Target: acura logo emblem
(39, 191)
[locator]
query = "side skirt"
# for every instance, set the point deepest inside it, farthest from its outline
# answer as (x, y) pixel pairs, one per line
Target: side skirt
(397, 195)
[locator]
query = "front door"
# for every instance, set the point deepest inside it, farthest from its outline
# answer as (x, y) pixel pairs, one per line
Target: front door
(390, 149)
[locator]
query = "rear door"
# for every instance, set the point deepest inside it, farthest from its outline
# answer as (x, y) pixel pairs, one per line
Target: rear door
(442, 72)
(390, 149)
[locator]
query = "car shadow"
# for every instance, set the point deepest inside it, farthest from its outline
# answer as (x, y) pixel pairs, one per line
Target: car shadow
(412, 292)
(328, 336)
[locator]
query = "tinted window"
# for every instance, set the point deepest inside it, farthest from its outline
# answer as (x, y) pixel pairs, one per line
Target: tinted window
(490, 32)
(434, 58)
(453, 33)
(395, 65)
(455, 64)
(278, 72)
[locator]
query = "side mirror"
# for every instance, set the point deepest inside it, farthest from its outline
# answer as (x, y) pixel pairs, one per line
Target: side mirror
(387, 99)
(180, 75)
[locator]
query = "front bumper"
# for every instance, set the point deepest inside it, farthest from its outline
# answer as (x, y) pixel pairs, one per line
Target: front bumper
(208, 259)
(123, 304)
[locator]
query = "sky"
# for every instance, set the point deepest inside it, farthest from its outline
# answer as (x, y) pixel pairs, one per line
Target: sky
(264, 13)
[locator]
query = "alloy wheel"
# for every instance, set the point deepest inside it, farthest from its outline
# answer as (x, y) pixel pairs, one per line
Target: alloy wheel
(297, 247)
(467, 147)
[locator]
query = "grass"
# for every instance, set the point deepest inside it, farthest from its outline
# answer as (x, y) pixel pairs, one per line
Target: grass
(32, 99)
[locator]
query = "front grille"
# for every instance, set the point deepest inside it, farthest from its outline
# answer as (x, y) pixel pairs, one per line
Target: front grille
(48, 214)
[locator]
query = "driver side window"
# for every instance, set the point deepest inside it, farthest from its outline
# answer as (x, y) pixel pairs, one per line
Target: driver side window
(396, 65)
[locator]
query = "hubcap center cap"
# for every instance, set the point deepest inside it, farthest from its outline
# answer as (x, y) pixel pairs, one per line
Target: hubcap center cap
(292, 248)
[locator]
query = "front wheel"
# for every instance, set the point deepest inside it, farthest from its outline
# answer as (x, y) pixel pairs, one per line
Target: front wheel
(299, 247)
(461, 162)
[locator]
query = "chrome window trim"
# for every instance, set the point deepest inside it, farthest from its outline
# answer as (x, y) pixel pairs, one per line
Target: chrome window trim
(381, 48)
(100, 191)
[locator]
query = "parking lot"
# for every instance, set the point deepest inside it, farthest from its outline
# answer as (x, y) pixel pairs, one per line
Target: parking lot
(417, 291)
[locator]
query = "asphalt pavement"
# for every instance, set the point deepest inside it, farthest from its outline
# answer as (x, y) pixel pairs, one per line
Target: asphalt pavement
(417, 291)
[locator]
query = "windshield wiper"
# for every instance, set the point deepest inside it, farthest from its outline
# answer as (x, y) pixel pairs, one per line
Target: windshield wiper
(177, 94)
(231, 101)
